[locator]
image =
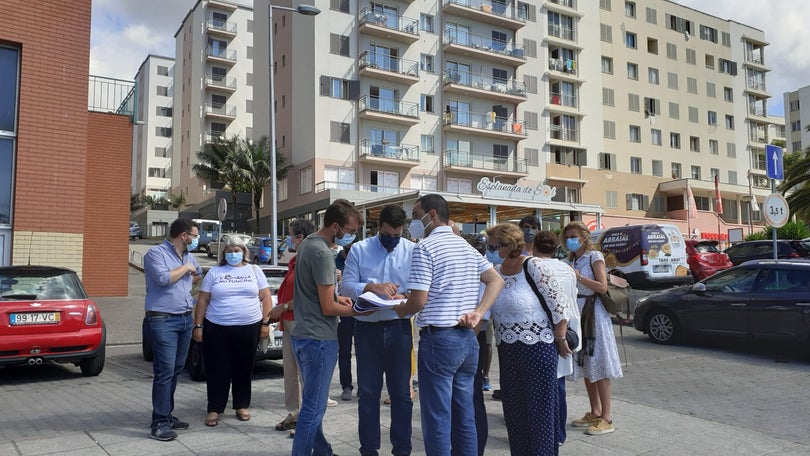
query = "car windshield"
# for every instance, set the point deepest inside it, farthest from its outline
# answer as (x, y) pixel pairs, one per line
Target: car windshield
(42, 284)
(266, 243)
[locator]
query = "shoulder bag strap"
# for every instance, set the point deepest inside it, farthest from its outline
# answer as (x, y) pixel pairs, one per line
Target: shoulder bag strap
(537, 292)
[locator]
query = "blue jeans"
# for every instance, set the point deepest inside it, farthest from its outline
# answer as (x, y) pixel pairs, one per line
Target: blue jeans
(170, 337)
(316, 361)
(447, 363)
(563, 409)
(384, 348)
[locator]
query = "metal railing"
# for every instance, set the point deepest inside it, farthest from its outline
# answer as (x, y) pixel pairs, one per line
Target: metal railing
(501, 9)
(563, 65)
(220, 109)
(755, 84)
(221, 53)
(390, 21)
(567, 3)
(112, 95)
(565, 134)
(488, 121)
(562, 32)
(477, 81)
(484, 161)
(326, 185)
(389, 106)
(213, 135)
(470, 40)
(385, 149)
(221, 81)
(562, 99)
(386, 62)
(218, 24)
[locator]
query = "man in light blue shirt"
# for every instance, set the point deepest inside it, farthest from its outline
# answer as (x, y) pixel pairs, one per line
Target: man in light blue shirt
(383, 341)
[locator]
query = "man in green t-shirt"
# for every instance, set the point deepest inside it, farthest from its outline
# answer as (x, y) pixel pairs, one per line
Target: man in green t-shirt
(317, 306)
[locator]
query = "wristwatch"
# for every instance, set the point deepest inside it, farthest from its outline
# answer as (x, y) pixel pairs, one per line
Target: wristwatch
(198, 326)
(285, 306)
(266, 323)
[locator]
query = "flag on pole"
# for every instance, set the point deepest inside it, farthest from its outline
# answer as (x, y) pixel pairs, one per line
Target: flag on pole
(718, 202)
(692, 205)
(754, 204)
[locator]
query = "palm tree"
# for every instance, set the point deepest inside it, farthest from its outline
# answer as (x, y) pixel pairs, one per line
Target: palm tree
(135, 202)
(217, 164)
(796, 186)
(255, 166)
(177, 201)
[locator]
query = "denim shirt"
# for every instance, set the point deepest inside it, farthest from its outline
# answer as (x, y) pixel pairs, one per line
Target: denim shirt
(161, 294)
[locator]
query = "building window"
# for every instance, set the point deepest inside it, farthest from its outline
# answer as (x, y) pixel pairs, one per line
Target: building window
(339, 5)
(635, 165)
(652, 16)
(635, 133)
(672, 51)
(675, 140)
(725, 39)
(165, 132)
(611, 199)
(712, 118)
(797, 146)
(531, 83)
(632, 71)
(340, 132)
(633, 102)
(163, 91)
(655, 137)
(714, 147)
(455, 185)
(676, 170)
(731, 150)
(693, 114)
(694, 144)
(426, 22)
(607, 65)
(604, 4)
(426, 63)
(606, 33)
(630, 40)
(672, 81)
(163, 111)
(162, 152)
(732, 179)
(637, 202)
(729, 122)
(340, 88)
(306, 180)
(652, 107)
(674, 110)
(658, 168)
(652, 46)
(339, 44)
(609, 128)
(691, 56)
(530, 46)
(695, 172)
(427, 103)
(527, 11)
(531, 120)
(427, 144)
(630, 9)
(607, 161)
(727, 67)
(162, 70)
(709, 61)
(728, 94)
(339, 177)
(607, 97)
(652, 74)
(249, 106)
(708, 33)
(691, 85)
(424, 182)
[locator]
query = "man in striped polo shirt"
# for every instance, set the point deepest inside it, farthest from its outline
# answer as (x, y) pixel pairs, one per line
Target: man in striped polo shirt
(444, 283)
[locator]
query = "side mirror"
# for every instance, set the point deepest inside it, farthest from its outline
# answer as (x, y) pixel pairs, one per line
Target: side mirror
(699, 288)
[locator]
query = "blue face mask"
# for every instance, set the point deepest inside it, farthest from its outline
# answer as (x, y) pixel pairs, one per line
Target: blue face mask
(233, 258)
(290, 242)
(389, 242)
(345, 240)
(573, 244)
(194, 243)
(494, 258)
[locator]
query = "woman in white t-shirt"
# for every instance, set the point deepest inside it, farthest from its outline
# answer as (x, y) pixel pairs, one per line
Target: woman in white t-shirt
(231, 314)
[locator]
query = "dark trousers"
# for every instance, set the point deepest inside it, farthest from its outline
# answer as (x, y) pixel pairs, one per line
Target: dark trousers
(229, 352)
(345, 336)
(481, 424)
(563, 409)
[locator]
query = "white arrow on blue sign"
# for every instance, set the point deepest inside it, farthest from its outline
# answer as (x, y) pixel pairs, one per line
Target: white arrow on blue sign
(773, 162)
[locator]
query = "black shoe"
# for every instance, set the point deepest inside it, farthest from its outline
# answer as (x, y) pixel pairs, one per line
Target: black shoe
(496, 395)
(163, 432)
(179, 425)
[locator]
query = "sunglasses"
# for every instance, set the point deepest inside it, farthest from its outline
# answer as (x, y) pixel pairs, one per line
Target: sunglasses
(493, 248)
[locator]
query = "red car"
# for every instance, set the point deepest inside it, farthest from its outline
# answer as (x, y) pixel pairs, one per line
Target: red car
(705, 258)
(45, 316)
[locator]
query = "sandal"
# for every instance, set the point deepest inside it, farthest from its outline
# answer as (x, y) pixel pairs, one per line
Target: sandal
(212, 419)
(243, 415)
(292, 433)
(285, 425)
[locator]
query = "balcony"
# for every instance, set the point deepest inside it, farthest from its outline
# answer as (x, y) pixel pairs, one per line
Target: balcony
(487, 11)
(389, 26)
(564, 136)
(484, 125)
(466, 83)
(220, 111)
(219, 27)
(221, 5)
(483, 164)
(220, 55)
(756, 86)
(383, 152)
(565, 103)
(220, 83)
(566, 6)
(211, 136)
(475, 46)
(387, 68)
(362, 188)
(563, 69)
(388, 110)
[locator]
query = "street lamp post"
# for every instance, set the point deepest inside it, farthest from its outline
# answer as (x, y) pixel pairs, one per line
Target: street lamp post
(307, 10)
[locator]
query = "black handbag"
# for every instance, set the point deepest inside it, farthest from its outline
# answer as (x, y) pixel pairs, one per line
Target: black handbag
(571, 336)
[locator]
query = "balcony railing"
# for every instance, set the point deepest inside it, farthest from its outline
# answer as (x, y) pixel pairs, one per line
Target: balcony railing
(488, 121)
(390, 21)
(562, 32)
(564, 134)
(466, 39)
(754, 58)
(389, 106)
(386, 62)
(562, 99)
(567, 3)
(756, 84)
(212, 135)
(218, 24)
(221, 81)
(384, 149)
(468, 79)
(220, 109)
(326, 185)
(489, 6)
(221, 53)
(756, 110)
(484, 161)
(564, 65)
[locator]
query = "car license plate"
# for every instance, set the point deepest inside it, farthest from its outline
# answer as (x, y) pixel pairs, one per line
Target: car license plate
(38, 318)
(661, 268)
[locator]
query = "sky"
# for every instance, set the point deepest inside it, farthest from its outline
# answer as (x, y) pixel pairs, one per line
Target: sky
(124, 32)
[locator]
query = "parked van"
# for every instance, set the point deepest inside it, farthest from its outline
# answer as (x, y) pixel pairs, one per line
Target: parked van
(650, 256)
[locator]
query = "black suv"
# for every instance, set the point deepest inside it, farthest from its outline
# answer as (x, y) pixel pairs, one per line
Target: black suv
(763, 250)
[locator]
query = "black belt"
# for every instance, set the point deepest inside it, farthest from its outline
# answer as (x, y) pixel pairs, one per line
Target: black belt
(585, 296)
(430, 329)
(152, 313)
(383, 323)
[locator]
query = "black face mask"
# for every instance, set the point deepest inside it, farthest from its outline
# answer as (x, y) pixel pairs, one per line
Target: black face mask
(389, 242)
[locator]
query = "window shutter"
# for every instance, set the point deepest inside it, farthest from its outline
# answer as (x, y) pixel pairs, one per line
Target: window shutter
(629, 201)
(354, 90)
(326, 86)
(646, 203)
(531, 13)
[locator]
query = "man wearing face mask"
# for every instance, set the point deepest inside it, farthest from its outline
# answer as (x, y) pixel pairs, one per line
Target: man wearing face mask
(443, 282)
(317, 307)
(170, 272)
(383, 341)
(530, 225)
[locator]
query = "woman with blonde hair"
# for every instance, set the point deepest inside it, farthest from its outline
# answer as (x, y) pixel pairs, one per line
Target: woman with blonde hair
(598, 361)
(528, 343)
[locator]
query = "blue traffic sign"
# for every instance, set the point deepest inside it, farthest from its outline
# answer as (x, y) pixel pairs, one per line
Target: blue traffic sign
(773, 162)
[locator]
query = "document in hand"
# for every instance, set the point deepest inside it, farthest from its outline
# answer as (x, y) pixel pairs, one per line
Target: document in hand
(370, 302)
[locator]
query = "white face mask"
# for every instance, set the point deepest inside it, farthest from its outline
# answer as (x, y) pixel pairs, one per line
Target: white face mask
(417, 228)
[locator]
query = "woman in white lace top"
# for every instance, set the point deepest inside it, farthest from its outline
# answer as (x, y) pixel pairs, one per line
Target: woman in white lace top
(528, 344)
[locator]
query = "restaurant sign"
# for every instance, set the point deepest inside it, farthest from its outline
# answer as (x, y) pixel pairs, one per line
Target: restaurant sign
(497, 190)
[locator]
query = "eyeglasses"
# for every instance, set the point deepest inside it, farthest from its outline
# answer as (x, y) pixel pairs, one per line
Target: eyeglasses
(493, 248)
(193, 236)
(354, 231)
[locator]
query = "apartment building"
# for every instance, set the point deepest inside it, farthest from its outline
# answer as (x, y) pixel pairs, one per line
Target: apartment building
(797, 119)
(152, 141)
(212, 88)
(603, 111)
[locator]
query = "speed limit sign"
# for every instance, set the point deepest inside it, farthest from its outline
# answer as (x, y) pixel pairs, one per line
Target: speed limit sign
(776, 210)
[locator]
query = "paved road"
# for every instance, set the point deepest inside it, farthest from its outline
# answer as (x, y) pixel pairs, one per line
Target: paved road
(722, 399)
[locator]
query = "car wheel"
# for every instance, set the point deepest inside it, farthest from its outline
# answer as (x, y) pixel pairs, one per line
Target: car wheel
(662, 328)
(93, 366)
(194, 362)
(146, 345)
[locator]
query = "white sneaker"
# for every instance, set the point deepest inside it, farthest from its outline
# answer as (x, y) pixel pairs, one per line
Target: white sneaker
(331, 403)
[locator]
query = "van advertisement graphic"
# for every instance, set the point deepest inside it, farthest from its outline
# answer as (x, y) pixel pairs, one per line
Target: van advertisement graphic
(623, 246)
